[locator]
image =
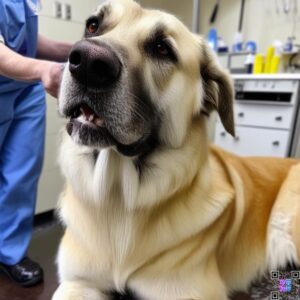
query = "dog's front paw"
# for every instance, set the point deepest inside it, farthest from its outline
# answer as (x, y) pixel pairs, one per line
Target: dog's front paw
(75, 290)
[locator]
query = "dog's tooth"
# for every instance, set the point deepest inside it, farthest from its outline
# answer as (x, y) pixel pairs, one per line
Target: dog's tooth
(91, 118)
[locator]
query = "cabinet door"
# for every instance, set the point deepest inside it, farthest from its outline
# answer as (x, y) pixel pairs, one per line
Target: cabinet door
(253, 141)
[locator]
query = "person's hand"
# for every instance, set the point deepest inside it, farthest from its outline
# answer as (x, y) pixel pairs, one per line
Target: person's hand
(51, 73)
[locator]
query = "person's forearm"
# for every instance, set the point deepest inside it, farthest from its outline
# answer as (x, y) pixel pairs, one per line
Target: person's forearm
(53, 50)
(17, 67)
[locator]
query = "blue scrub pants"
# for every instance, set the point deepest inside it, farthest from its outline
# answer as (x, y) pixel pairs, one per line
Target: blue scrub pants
(22, 135)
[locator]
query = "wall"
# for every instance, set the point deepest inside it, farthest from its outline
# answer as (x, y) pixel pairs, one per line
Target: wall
(182, 9)
(261, 23)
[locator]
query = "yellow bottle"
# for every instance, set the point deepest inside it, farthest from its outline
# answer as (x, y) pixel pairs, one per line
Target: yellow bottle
(275, 64)
(269, 57)
(258, 64)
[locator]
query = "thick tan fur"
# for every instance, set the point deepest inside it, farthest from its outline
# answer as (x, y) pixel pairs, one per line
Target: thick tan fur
(201, 222)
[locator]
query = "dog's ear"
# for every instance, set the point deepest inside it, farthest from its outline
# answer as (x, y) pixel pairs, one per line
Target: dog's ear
(217, 87)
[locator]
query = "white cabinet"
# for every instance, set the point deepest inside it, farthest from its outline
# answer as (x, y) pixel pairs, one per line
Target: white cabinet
(266, 117)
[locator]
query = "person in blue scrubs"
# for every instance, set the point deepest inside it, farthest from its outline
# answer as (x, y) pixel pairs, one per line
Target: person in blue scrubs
(23, 78)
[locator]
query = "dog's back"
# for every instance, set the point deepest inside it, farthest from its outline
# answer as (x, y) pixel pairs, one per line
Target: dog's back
(260, 235)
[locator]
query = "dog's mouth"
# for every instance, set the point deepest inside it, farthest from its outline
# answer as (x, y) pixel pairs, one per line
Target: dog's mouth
(87, 127)
(86, 115)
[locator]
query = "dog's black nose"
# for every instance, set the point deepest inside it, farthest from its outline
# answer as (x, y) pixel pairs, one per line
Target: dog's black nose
(94, 64)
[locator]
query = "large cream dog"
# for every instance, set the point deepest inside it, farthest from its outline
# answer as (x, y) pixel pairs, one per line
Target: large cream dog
(151, 211)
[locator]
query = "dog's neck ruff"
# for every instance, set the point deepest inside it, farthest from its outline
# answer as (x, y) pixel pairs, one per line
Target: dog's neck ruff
(110, 176)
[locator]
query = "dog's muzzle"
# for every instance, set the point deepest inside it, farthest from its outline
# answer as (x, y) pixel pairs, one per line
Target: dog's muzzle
(94, 64)
(104, 105)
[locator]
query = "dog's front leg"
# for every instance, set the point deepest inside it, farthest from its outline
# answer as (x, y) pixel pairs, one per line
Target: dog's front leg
(77, 290)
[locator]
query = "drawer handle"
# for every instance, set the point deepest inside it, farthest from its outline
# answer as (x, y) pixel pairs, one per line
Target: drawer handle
(279, 118)
(223, 133)
(276, 143)
(241, 115)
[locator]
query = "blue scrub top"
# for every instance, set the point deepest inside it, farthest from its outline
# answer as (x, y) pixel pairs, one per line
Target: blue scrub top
(19, 31)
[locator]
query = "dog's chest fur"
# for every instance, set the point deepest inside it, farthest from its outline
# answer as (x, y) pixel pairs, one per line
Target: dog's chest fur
(127, 242)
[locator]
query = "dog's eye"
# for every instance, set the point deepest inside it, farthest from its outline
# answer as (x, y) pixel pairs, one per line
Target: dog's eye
(162, 49)
(92, 26)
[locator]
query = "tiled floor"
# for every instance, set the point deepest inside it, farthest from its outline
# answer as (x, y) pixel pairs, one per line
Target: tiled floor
(43, 249)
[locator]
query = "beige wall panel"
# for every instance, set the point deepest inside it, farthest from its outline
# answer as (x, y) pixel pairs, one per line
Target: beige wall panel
(182, 9)
(60, 29)
(54, 121)
(50, 186)
(51, 152)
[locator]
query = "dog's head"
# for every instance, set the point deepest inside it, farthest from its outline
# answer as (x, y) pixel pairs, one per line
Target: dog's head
(138, 79)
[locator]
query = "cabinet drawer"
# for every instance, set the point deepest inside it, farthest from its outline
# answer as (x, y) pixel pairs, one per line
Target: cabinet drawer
(264, 115)
(253, 141)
